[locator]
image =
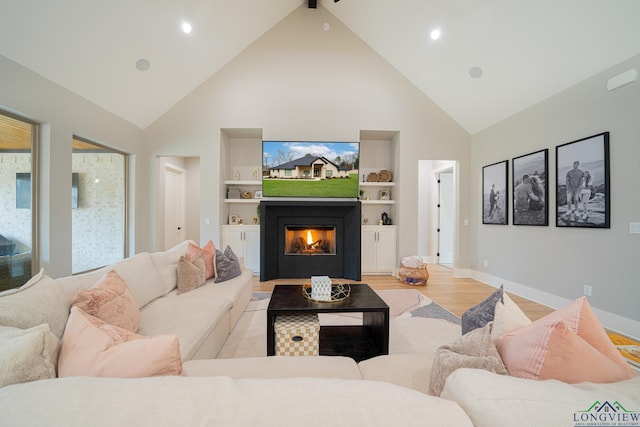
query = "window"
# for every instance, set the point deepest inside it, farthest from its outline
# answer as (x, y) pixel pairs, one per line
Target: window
(18, 200)
(99, 220)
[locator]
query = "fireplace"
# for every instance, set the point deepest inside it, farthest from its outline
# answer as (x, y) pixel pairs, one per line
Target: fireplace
(300, 239)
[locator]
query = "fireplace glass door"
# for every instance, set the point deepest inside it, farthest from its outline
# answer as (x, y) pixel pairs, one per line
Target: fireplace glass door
(310, 240)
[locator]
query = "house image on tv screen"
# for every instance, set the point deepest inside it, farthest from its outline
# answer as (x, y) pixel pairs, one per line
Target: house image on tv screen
(309, 167)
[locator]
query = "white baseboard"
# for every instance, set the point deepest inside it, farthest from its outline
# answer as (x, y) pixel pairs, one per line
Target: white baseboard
(611, 321)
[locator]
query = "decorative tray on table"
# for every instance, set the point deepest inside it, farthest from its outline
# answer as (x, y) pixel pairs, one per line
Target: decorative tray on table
(339, 292)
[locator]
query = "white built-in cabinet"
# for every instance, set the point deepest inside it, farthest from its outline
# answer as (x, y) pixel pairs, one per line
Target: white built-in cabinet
(244, 240)
(240, 166)
(378, 249)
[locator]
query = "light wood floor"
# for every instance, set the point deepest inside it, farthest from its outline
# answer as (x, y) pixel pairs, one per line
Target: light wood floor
(455, 294)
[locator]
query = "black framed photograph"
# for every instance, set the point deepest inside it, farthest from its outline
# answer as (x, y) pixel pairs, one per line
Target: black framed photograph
(495, 197)
(582, 183)
(530, 188)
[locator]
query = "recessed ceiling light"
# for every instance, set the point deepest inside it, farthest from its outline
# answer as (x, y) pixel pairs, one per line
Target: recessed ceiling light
(475, 72)
(326, 26)
(186, 27)
(435, 34)
(143, 64)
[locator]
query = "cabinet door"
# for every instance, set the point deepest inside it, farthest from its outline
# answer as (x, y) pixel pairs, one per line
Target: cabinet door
(368, 250)
(386, 250)
(252, 248)
(232, 236)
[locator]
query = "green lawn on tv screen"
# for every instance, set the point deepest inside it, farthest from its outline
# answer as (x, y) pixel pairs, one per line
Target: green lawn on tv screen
(335, 187)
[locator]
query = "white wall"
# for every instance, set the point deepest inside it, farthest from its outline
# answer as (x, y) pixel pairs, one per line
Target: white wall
(552, 264)
(63, 114)
(301, 82)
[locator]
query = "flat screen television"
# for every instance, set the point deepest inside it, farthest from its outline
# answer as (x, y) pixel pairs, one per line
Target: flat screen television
(23, 190)
(310, 169)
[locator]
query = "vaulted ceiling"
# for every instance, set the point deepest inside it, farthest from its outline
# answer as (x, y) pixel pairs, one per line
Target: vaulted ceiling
(525, 50)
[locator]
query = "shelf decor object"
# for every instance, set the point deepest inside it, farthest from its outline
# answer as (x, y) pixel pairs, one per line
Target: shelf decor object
(385, 175)
(339, 292)
(373, 177)
(321, 288)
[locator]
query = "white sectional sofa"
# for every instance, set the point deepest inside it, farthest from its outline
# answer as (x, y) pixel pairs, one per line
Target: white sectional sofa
(201, 319)
(261, 391)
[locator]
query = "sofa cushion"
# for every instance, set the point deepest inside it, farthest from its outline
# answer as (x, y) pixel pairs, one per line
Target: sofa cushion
(110, 300)
(410, 370)
(507, 318)
(141, 275)
(223, 401)
(191, 273)
(209, 253)
(473, 350)
(91, 347)
(227, 265)
(493, 400)
(190, 319)
(27, 354)
(275, 367)
(139, 271)
(569, 345)
(230, 290)
(39, 301)
(167, 265)
(482, 313)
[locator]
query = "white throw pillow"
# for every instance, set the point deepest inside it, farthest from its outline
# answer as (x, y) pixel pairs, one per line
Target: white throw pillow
(27, 354)
(507, 318)
(39, 301)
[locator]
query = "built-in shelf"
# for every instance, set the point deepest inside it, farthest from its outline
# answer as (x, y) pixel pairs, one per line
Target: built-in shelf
(378, 202)
(377, 184)
(255, 201)
(245, 182)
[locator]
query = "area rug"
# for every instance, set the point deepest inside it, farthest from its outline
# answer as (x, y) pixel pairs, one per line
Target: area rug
(417, 324)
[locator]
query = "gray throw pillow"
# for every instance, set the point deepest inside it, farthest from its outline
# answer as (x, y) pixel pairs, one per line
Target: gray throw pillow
(481, 314)
(227, 265)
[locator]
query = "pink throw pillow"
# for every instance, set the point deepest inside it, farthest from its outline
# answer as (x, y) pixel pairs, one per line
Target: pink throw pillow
(569, 345)
(110, 299)
(209, 252)
(91, 347)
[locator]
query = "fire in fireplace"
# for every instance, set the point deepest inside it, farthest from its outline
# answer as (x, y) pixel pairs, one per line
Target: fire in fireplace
(310, 240)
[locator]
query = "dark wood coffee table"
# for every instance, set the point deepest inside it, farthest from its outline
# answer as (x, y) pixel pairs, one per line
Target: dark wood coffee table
(359, 342)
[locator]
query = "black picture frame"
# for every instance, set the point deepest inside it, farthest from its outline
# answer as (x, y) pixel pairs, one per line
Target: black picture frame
(530, 183)
(590, 194)
(495, 194)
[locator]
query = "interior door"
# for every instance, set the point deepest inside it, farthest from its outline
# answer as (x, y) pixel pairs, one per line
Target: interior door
(174, 206)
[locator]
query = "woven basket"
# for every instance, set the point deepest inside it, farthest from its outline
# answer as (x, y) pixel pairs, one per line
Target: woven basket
(372, 177)
(385, 175)
(414, 276)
